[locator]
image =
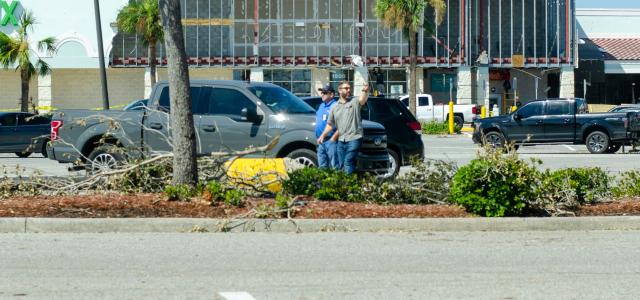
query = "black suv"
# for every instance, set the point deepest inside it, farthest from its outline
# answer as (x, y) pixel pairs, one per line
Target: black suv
(404, 132)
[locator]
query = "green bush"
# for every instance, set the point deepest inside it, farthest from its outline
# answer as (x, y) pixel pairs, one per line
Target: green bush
(628, 184)
(324, 184)
(179, 192)
(438, 128)
(495, 185)
(282, 201)
(214, 191)
(588, 184)
(233, 197)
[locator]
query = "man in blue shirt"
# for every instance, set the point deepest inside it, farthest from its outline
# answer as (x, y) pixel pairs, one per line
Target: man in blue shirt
(327, 154)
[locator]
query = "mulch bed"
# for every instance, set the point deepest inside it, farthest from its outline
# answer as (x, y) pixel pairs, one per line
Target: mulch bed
(155, 205)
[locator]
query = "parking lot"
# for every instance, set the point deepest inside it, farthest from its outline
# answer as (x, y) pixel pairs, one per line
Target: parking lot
(459, 149)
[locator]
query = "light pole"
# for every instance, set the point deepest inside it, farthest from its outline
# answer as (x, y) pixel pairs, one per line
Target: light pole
(103, 71)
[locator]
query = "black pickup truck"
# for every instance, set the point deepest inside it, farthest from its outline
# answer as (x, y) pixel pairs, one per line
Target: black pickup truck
(560, 121)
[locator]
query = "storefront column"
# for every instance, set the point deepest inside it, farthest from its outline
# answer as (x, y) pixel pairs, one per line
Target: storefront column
(147, 81)
(464, 85)
(319, 77)
(482, 86)
(44, 93)
(420, 81)
(257, 75)
(567, 82)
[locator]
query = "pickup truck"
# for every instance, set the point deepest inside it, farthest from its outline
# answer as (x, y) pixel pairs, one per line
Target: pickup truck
(427, 111)
(228, 116)
(560, 121)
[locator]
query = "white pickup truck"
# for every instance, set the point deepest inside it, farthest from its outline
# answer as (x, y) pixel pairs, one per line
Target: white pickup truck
(427, 111)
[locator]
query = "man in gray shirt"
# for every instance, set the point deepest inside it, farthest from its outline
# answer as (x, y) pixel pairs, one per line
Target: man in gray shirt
(345, 117)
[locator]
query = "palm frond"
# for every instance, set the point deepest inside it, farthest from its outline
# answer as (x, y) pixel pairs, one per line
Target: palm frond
(43, 67)
(48, 45)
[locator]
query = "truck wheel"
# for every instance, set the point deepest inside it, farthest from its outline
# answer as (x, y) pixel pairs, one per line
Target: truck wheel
(458, 121)
(598, 142)
(613, 148)
(305, 157)
(103, 159)
(493, 139)
(23, 154)
(45, 146)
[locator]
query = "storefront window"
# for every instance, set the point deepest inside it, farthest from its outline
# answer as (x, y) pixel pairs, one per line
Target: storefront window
(296, 81)
(338, 76)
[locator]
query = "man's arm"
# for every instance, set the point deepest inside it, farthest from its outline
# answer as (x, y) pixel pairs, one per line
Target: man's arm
(326, 131)
(365, 95)
(335, 136)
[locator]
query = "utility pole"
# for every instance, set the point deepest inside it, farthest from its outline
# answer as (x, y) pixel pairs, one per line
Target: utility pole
(103, 71)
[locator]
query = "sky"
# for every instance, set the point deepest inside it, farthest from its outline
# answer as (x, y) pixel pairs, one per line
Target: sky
(608, 4)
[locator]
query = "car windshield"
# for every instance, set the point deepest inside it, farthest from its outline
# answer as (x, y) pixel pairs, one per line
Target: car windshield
(280, 100)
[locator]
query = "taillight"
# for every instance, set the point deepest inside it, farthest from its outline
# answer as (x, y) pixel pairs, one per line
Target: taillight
(55, 126)
(415, 126)
(475, 110)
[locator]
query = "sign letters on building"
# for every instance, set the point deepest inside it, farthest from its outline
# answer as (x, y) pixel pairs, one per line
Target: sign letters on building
(7, 13)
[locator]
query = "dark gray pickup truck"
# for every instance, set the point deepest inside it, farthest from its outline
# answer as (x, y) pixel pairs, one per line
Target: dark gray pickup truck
(228, 116)
(561, 121)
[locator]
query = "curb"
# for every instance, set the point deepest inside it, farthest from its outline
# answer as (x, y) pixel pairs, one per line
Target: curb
(175, 225)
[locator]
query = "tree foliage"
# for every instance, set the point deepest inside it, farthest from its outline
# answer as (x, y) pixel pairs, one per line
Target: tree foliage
(16, 51)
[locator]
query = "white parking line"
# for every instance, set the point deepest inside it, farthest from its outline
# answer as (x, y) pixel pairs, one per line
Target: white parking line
(570, 148)
(236, 296)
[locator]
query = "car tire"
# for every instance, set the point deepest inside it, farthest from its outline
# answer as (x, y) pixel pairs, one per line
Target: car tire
(494, 139)
(395, 162)
(103, 159)
(23, 154)
(306, 157)
(613, 148)
(458, 121)
(597, 142)
(45, 146)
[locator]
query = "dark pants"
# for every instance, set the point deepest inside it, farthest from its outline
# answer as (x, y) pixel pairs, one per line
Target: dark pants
(347, 154)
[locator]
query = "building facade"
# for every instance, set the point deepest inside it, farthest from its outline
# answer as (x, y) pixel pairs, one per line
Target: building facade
(483, 51)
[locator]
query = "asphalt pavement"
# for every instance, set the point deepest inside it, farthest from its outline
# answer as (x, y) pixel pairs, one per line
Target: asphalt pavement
(440, 265)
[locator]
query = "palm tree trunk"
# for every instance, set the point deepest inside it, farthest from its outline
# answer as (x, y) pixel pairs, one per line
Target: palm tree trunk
(185, 169)
(412, 71)
(24, 96)
(152, 62)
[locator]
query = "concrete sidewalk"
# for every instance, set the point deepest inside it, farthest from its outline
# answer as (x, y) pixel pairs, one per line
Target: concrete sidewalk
(72, 225)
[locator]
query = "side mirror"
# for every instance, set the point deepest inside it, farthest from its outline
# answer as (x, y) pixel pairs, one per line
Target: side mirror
(250, 115)
(517, 116)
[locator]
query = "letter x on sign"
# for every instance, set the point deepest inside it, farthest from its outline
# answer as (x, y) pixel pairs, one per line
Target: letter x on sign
(8, 13)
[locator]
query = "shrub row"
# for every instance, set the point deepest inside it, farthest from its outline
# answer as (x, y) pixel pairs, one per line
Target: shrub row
(495, 184)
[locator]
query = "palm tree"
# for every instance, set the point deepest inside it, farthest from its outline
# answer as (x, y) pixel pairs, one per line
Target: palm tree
(185, 168)
(15, 51)
(143, 17)
(408, 16)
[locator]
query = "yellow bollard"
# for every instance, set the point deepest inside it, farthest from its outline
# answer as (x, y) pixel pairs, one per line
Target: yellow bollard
(483, 112)
(451, 128)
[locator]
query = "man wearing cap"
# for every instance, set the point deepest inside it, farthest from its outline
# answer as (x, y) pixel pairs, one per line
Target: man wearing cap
(327, 155)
